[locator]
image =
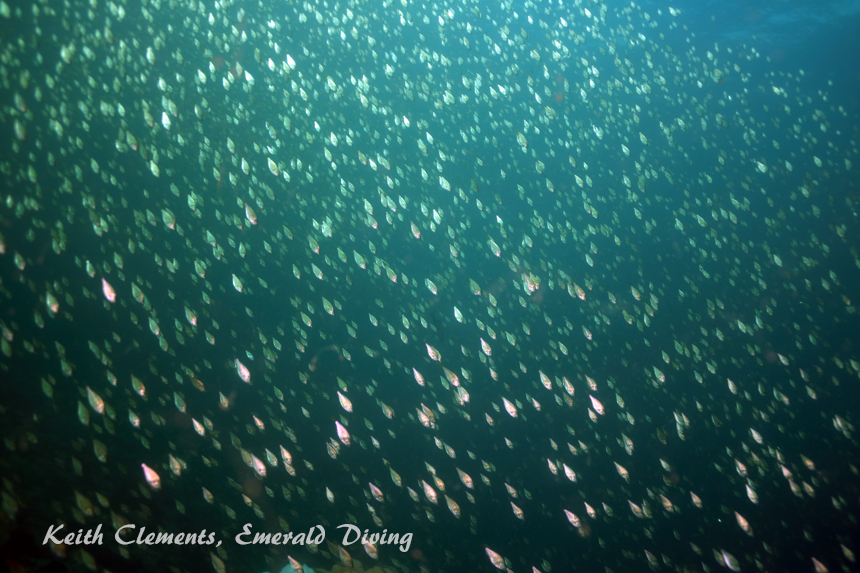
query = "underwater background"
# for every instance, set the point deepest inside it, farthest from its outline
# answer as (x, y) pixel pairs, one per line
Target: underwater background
(552, 286)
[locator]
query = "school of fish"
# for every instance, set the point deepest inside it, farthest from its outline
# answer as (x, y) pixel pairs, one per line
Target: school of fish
(551, 285)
